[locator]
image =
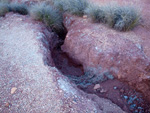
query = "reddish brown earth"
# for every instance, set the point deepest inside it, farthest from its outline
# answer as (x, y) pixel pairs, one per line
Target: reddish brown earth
(103, 51)
(33, 66)
(29, 81)
(106, 50)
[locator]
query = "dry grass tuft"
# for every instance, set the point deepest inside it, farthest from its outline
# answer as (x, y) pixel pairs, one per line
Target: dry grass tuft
(122, 18)
(48, 15)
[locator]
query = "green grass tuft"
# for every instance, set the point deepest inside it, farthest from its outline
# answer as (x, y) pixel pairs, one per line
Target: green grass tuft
(96, 13)
(3, 9)
(122, 18)
(4, 1)
(59, 4)
(18, 8)
(126, 18)
(75, 7)
(48, 15)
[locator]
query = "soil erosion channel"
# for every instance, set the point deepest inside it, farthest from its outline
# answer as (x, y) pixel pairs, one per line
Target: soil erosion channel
(113, 89)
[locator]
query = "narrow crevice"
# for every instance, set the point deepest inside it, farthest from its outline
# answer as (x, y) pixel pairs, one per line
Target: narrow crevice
(63, 62)
(120, 93)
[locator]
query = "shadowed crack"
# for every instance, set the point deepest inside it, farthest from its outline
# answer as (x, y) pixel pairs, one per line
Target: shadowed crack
(129, 100)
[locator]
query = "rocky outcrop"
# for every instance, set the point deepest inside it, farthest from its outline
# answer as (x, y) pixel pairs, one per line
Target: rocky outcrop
(102, 50)
(29, 82)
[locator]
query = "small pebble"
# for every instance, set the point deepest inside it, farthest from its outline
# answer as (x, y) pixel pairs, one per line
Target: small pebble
(84, 16)
(126, 97)
(97, 86)
(130, 101)
(103, 91)
(13, 90)
(140, 108)
(7, 104)
(122, 90)
(115, 88)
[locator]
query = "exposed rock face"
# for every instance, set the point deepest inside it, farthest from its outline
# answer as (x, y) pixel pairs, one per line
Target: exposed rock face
(101, 49)
(27, 83)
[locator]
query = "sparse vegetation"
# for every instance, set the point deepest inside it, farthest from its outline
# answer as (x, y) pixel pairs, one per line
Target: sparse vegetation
(3, 9)
(4, 1)
(90, 78)
(75, 7)
(96, 13)
(6, 7)
(18, 8)
(48, 15)
(126, 18)
(122, 18)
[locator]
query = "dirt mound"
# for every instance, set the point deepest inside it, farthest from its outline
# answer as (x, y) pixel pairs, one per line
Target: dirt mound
(29, 82)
